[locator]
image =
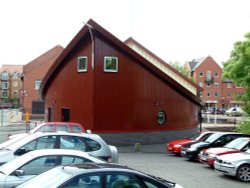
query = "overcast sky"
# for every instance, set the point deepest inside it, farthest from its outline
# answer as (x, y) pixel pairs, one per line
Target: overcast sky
(175, 30)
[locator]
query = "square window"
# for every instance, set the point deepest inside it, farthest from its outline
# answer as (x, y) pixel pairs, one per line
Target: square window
(110, 64)
(82, 63)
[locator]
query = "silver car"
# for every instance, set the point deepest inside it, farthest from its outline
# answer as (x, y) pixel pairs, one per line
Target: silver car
(36, 162)
(235, 164)
(96, 176)
(90, 143)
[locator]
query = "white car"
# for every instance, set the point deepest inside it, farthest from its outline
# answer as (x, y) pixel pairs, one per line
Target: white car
(36, 162)
(96, 176)
(235, 111)
(235, 164)
(90, 143)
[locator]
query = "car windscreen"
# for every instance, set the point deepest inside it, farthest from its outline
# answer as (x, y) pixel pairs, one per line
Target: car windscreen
(237, 144)
(212, 138)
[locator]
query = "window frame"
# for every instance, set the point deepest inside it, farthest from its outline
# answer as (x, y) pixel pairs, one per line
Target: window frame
(37, 84)
(86, 64)
(105, 64)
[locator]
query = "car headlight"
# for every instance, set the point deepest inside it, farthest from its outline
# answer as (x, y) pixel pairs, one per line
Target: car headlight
(228, 162)
(177, 146)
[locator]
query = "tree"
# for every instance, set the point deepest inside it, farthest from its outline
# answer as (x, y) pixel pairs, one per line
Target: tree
(237, 69)
(179, 68)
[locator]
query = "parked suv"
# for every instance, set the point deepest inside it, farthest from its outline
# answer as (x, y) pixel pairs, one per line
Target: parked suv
(217, 139)
(90, 143)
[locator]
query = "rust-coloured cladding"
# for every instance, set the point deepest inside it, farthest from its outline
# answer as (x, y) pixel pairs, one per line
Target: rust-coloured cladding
(71, 89)
(130, 99)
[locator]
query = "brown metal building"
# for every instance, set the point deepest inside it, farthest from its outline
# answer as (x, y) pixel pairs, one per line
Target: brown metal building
(119, 90)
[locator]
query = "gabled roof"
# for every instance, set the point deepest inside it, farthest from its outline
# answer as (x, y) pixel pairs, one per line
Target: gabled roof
(196, 63)
(11, 68)
(162, 65)
(97, 29)
(48, 57)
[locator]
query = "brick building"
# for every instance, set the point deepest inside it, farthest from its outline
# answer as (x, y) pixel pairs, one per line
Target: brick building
(33, 74)
(10, 85)
(217, 92)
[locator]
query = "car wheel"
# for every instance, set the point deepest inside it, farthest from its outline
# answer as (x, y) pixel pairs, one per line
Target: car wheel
(243, 173)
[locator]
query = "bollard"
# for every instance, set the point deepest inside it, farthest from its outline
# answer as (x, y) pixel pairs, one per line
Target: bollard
(137, 147)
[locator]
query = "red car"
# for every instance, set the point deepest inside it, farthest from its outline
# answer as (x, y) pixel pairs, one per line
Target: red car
(175, 145)
(54, 127)
(208, 156)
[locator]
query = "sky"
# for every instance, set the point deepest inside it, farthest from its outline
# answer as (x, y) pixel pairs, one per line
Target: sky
(174, 30)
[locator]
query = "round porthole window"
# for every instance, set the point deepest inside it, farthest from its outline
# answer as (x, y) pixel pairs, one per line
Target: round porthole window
(161, 117)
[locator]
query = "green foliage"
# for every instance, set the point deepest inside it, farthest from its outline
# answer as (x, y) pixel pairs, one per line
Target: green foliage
(244, 127)
(237, 68)
(180, 68)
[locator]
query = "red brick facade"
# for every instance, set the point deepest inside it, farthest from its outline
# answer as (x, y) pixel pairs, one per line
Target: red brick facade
(216, 91)
(33, 75)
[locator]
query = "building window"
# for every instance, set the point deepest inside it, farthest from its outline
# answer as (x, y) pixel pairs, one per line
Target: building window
(37, 84)
(15, 93)
(82, 64)
(216, 74)
(229, 85)
(110, 64)
(201, 84)
(229, 95)
(5, 85)
(201, 74)
(216, 84)
(208, 94)
(209, 75)
(5, 94)
(201, 94)
(14, 84)
(161, 117)
(208, 84)
(5, 76)
(15, 75)
(216, 94)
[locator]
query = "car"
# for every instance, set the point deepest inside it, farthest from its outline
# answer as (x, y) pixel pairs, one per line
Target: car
(53, 127)
(216, 139)
(235, 111)
(36, 162)
(96, 176)
(175, 145)
(234, 164)
(90, 143)
(209, 155)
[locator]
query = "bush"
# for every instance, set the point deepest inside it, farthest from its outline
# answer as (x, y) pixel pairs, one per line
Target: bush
(244, 126)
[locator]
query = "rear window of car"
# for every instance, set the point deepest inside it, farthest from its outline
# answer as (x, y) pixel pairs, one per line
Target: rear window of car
(79, 143)
(76, 129)
(61, 127)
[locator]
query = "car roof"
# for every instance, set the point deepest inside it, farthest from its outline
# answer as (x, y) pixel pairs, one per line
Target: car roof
(35, 135)
(12, 165)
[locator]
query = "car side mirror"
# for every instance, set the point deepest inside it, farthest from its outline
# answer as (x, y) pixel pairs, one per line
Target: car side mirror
(20, 151)
(19, 172)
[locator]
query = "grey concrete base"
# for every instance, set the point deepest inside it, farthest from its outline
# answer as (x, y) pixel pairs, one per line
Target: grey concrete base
(128, 139)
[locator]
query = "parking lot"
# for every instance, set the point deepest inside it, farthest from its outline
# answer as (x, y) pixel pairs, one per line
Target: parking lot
(154, 160)
(177, 169)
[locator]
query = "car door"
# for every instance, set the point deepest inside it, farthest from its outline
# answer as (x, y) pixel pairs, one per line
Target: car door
(31, 169)
(44, 142)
